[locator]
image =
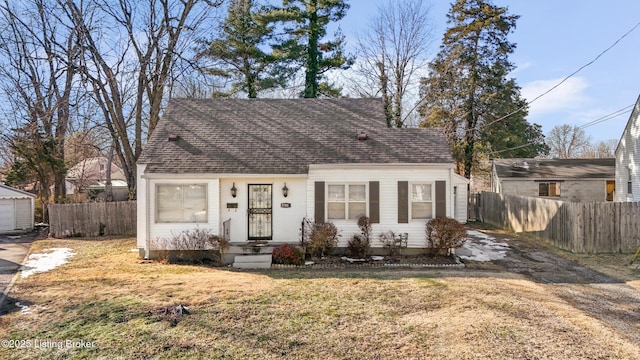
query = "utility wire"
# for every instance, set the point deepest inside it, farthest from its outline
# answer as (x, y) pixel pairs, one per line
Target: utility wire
(567, 77)
(599, 120)
(607, 117)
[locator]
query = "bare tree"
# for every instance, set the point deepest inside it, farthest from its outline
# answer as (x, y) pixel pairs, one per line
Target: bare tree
(129, 79)
(38, 75)
(566, 142)
(603, 149)
(391, 52)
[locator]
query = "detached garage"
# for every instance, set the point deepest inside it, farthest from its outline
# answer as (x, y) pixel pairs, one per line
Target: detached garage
(16, 210)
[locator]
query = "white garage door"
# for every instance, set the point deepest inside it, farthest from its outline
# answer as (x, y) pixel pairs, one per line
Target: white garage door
(6, 215)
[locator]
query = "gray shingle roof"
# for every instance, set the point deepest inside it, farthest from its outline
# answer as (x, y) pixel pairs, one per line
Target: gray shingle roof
(282, 136)
(556, 169)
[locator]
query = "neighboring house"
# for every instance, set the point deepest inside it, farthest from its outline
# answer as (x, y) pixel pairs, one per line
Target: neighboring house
(575, 180)
(87, 180)
(16, 210)
(628, 159)
(256, 168)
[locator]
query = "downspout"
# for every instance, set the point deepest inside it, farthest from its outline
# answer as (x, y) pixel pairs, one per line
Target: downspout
(451, 204)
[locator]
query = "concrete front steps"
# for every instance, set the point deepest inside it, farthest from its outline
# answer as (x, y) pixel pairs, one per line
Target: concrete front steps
(250, 255)
(253, 261)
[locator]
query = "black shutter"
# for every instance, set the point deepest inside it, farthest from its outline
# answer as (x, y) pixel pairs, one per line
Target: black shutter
(441, 199)
(319, 202)
(403, 202)
(374, 202)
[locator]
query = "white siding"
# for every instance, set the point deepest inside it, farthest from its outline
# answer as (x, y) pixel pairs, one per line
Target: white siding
(628, 158)
(388, 176)
(286, 222)
(460, 198)
(142, 231)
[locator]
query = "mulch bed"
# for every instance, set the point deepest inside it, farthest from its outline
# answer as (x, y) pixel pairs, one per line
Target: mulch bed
(409, 261)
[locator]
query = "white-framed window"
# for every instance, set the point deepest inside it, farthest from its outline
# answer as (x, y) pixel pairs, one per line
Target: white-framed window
(181, 203)
(346, 201)
(550, 189)
(629, 181)
(421, 201)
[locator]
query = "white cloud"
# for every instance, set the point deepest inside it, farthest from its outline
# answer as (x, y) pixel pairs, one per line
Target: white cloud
(520, 67)
(569, 95)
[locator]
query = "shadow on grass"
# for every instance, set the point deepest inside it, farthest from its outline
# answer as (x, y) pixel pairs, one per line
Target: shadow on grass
(11, 305)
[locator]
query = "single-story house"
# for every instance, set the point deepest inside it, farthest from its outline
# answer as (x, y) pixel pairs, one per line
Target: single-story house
(575, 180)
(87, 180)
(628, 159)
(255, 169)
(16, 210)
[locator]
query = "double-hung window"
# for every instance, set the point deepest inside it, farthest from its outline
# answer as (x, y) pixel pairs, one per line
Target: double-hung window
(181, 203)
(421, 201)
(346, 201)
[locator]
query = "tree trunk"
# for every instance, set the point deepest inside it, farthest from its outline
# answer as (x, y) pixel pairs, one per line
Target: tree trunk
(311, 75)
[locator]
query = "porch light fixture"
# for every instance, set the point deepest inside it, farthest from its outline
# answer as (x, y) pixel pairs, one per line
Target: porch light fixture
(285, 190)
(234, 190)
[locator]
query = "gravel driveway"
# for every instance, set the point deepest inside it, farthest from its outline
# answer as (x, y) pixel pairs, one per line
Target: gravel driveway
(598, 295)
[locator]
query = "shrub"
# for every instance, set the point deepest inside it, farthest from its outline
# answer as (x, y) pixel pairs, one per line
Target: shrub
(323, 237)
(218, 244)
(288, 254)
(360, 244)
(305, 234)
(196, 239)
(389, 243)
(186, 242)
(444, 234)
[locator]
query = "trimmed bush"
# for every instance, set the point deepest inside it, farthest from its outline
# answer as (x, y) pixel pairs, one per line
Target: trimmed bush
(444, 234)
(360, 244)
(323, 238)
(288, 254)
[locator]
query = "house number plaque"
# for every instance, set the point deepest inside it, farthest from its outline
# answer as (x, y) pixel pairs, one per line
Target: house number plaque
(285, 205)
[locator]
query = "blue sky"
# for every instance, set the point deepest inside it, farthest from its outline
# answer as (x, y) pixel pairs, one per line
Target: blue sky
(554, 39)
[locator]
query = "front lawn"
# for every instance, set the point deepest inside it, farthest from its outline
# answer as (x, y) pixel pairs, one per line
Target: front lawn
(109, 304)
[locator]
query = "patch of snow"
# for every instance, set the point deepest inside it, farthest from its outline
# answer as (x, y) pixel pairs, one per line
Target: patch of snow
(24, 309)
(377, 258)
(483, 247)
(29, 309)
(39, 263)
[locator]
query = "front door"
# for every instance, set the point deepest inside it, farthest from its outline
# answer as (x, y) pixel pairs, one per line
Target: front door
(260, 210)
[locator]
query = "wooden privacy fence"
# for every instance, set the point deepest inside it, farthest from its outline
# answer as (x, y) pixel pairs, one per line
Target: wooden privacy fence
(594, 227)
(93, 219)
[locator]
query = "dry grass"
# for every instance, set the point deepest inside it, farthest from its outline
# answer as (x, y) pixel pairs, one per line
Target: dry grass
(106, 295)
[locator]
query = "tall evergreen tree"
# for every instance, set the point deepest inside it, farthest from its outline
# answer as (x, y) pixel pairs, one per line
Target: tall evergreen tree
(468, 92)
(305, 25)
(238, 53)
